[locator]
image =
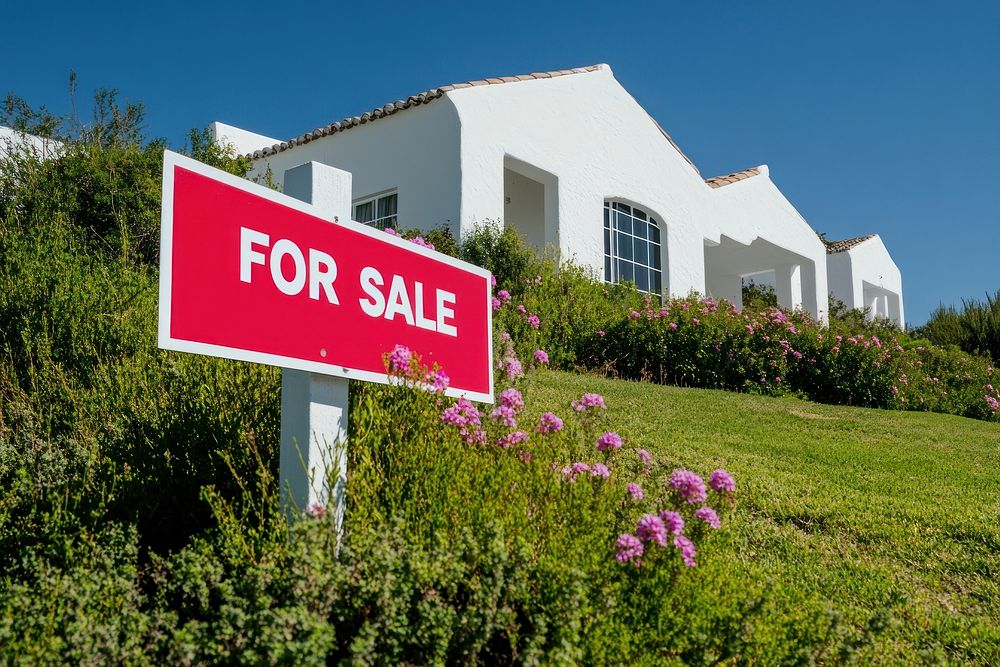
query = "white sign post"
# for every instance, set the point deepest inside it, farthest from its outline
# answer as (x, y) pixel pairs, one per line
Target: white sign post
(314, 406)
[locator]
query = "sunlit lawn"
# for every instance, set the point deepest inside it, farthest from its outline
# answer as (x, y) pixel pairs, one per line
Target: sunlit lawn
(863, 508)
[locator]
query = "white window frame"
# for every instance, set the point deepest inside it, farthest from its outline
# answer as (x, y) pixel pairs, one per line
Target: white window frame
(374, 200)
(612, 256)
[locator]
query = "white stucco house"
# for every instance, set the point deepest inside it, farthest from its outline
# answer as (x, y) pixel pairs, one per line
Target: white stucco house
(572, 162)
(862, 275)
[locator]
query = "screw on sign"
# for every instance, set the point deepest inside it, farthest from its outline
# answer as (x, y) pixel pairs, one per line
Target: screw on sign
(251, 274)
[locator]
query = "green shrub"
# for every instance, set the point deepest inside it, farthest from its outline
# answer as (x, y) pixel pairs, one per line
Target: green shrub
(975, 329)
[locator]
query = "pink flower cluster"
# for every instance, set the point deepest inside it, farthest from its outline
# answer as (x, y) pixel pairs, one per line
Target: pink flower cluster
(647, 460)
(399, 360)
(589, 402)
(418, 240)
(709, 516)
(466, 417)
(549, 423)
(721, 481)
(511, 403)
(630, 549)
(572, 471)
(656, 529)
(689, 485)
(609, 440)
(508, 362)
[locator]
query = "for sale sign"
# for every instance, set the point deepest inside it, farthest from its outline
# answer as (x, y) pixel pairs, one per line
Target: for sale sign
(248, 273)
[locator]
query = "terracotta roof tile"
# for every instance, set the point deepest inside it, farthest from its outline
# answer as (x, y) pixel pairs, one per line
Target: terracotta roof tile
(719, 181)
(424, 98)
(833, 247)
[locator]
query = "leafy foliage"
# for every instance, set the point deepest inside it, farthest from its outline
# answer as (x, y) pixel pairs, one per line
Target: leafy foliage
(975, 329)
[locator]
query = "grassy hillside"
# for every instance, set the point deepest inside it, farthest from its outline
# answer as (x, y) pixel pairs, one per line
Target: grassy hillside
(863, 508)
(139, 521)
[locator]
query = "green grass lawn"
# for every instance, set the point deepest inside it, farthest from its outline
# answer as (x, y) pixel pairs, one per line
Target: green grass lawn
(862, 508)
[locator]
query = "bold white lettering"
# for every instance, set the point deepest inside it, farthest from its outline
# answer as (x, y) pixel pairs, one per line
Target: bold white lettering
(418, 302)
(294, 286)
(322, 272)
(249, 256)
(444, 311)
(399, 301)
(370, 277)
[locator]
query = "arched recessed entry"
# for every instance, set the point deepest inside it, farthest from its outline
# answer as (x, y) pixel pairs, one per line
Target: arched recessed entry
(634, 247)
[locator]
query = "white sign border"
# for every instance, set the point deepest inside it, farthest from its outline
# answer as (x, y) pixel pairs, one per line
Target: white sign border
(165, 341)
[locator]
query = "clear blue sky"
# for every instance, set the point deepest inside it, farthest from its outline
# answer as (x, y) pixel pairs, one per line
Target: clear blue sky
(873, 116)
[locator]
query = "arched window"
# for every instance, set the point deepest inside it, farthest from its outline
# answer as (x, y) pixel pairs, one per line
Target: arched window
(632, 247)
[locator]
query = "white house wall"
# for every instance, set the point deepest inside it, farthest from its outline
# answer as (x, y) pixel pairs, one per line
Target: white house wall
(599, 143)
(415, 153)
(243, 142)
(868, 262)
(755, 210)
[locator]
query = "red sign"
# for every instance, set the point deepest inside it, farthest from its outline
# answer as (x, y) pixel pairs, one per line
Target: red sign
(251, 274)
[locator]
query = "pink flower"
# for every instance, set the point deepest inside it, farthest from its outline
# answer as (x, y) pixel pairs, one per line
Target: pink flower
(601, 333)
(511, 439)
(504, 296)
(574, 470)
(549, 423)
(672, 326)
(512, 397)
(721, 481)
(600, 470)
(708, 515)
(438, 381)
(390, 231)
(466, 417)
(541, 356)
(419, 240)
(652, 529)
(645, 457)
(496, 303)
(588, 401)
(399, 360)
(635, 491)
(634, 315)
(316, 511)
(609, 440)
(521, 309)
(686, 547)
(630, 549)
(493, 281)
(513, 367)
(534, 322)
(673, 521)
(689, 486)
(504, 414)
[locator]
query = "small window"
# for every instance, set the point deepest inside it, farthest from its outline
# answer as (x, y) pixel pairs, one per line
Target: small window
(632, 247)
(378, 211)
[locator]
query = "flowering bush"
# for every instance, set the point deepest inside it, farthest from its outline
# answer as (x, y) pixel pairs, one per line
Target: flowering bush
(704, 343)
